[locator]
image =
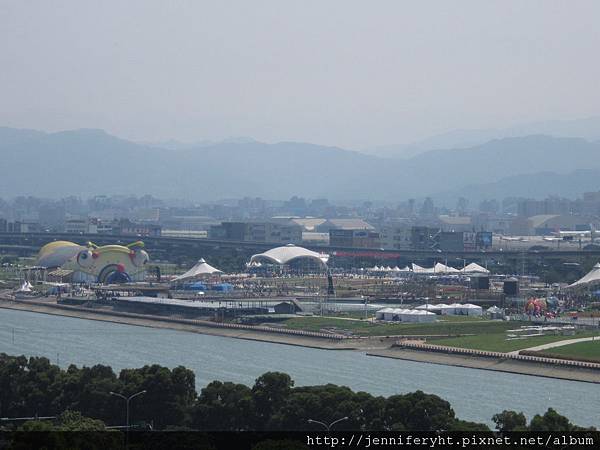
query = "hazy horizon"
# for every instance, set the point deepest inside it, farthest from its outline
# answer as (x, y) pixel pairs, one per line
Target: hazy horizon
(341, 73)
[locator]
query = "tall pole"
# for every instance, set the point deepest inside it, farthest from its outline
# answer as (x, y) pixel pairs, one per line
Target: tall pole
(325, 425)
(127, 400)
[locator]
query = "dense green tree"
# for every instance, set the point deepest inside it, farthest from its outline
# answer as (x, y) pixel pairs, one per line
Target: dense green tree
(25, 385)
(88, 390)
(169, 394)
(225, 407)
(550, 421)
(510, 421)
(323, 403)
(464, 425)
(82, 400)
(418, 411)
(268, 393)
(75, 421)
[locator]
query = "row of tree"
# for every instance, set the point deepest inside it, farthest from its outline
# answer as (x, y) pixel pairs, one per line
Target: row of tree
(81, 397)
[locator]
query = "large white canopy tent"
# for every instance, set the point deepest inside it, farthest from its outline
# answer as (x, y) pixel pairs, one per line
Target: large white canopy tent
(289, 253)
(592, 278)
(200, 269)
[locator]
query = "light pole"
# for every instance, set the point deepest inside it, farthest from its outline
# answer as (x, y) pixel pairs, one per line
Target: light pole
(326, 426)
(127, 400)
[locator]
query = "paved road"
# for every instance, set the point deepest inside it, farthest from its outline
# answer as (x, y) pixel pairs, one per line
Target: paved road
(557, 344)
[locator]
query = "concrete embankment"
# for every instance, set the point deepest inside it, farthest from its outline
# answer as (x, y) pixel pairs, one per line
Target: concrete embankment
(288, 337)
(497, 364)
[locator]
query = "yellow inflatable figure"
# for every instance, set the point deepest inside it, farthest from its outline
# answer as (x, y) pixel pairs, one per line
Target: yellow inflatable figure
(93, 263)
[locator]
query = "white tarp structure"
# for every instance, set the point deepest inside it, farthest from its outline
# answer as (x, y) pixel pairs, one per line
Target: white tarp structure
(474, 268)
(418, 269)
(25, 287)
(458, 309)
(404, 315)
(494, 312)
(379, 315)
(437, 269)
(469, 309)
(589, 279)
(202, 268)
(288, 253)
(450, 310)
(430, 307)
(443, 268)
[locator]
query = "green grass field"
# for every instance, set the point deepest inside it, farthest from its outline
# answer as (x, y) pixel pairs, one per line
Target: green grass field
(452, 326)
(589, 350)
(497, 341)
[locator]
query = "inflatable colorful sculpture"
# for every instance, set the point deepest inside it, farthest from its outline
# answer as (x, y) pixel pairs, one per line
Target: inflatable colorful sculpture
(96, 264)
(535, 306)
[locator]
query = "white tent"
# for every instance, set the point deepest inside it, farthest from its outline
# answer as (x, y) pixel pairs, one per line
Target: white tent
(469, 309)
(419, 269)
(592, 277)
(380, 314)
(474, 268)
(416, 268)
(430, 307)
(202, 268)
(404, 315)
(494, 312)
(442, 268)
(424, 316)
(451, 310)
(25, 287)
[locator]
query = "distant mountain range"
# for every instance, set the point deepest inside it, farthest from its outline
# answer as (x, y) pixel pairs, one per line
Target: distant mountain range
(89, 162)
(588, 129)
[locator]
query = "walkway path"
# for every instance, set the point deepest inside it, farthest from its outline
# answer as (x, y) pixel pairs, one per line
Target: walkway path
(557, 344)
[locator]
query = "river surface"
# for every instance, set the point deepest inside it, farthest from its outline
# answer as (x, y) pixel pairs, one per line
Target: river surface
(474, 394)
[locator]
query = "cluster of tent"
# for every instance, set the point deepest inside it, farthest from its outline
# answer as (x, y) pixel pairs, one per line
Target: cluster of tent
(439, 268)
(404, 315)
(454, 309)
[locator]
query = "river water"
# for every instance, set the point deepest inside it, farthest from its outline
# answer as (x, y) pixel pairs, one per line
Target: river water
(474, 394)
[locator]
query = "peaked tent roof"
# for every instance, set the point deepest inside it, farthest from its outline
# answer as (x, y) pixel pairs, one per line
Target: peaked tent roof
(418, 269)
(474, 268)
(200, 269)
(442, 268)
(592, 277)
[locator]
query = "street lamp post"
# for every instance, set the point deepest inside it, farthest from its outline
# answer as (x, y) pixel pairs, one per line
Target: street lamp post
(327, 426)
(127, 400)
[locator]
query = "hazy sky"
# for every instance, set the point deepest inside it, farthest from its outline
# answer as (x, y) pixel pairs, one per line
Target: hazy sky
(347, 73)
